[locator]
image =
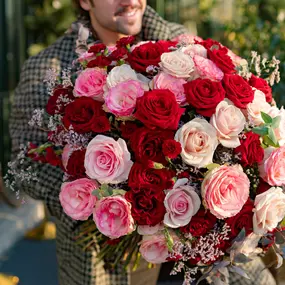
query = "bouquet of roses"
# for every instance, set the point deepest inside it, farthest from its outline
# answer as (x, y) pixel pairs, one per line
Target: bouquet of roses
(172, 150)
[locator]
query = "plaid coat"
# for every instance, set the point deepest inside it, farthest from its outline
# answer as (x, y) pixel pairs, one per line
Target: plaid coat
(76, 267)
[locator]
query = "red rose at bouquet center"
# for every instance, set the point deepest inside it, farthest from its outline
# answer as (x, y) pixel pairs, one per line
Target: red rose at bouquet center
(75, 165)
(204, 95)
(148, 54)
(82, 114)
(159, 109)
(262, 85)
(171, 148)
(238, 90)
(250, 150)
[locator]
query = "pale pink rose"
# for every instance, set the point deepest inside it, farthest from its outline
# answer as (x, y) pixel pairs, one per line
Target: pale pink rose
(76, 198)
(175, 85)
(177, 63)
(269, 210)
(237, 60)
(187, 39)
(181, 204)
(206, 69)
(120, 74)
(86, 56)
(199, 141)
(113, 218)
(196, 49)
(90, 83)
(272, 168)
(153, 248)
(225, 190)
(66, 153)
(121, 100)
(107, 160)
(257, 106)
(229, 122)
(149, 230)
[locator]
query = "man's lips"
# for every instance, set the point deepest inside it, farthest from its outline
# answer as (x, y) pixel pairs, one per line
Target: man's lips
(129, 12)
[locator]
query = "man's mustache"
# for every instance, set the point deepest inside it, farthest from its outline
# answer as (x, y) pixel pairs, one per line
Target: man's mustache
(127, 8)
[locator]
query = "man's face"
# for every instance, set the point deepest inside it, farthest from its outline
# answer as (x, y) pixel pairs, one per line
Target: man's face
(121, 16)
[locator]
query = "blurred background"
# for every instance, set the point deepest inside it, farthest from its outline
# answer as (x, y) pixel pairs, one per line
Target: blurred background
(28, 26)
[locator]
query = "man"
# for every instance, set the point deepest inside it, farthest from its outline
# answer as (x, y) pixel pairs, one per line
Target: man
(109, 20)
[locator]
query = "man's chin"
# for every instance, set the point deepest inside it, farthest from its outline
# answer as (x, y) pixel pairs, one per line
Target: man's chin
(130, 30)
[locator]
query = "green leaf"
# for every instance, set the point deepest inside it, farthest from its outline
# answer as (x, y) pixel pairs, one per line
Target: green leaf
(280, 238)
(266, 118)
(105, 190)
(261, 131)
(212, 166)
(119, 192)
(97, 194)
(276, 122)
(169, 240)
(272, 136)
(241, 258)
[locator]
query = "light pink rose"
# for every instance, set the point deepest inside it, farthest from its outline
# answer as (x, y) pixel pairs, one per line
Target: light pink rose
(196, 49)
(113, 218)
(225, 190)
(177, 63)
(199, 141)
(149, 230)
(121, 99)
(154, 248)
(269, 210)
(206, 69)
(120, 74)
(86, 56)
(181, 204)
(175, 85)
(187, 39)
(237, 60)
(91, 83)
(107, 160)
(76, 198)
(272, 168)
(229, 122)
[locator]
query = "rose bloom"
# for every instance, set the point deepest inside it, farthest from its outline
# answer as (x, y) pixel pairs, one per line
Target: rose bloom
(195, 49)
(229, 122)
(113, 218)
(150, 230)
(86, 57)
(272, 168)
(207, 69)
(257, 106)
(225, 190)
(121, 99)
(177, 63)
(107, 160)
(171, 148)
(153, 248)
(198, 140)
(76, 198)
(262, 85)
(181, 203)
(175, 85)
(269, 210)
(187, 39)
(90, 83)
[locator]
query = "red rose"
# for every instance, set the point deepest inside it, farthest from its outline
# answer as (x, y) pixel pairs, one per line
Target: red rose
(52, 158)
(147, 205)
(148, 54)
(123, 42)
(204, 95)
(200, 224)
(208, 43)
(171, 148)
(250, 149)
(147, 144)
(262, 85)
(99, 61)
(143, 176)
(262, 186)
(221, 59)
(101, 125)
(82, 114)
(118, 53)
(242, 220)
(75, 165)
(60, 98)
(184, 174)
(159, 109)
(128, 129)
(238, 90)
(97, 48)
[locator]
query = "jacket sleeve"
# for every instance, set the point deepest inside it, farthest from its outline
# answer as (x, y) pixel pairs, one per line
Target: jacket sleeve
(31, 94)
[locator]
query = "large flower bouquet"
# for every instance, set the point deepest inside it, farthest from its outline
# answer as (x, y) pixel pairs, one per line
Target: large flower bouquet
(172, 150)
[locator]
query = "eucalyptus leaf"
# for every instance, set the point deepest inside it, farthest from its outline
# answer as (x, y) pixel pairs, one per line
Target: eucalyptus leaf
(96, 193)
(261, 131)
(239, 271)
(280, 238)
(241, 236)
(272, 136)
(276, 122)
(212, 166)
(266, 118)
(241, 258)
(268, 141)
(119, 192)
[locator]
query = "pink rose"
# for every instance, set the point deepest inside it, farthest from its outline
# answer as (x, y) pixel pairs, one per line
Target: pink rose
(149, 230)
(272, 169)
(175, 85)
(207, 69)
(181, 203)
(225, 190)
(86, 56)
(90, 83)
(269, 210)
(154, 248)
(121, 99)
(187, 39)
(76, 198)
(112, 216)
(107, 160)
(229, 122)
(196, 49)
(237, 60)
(66, 153)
